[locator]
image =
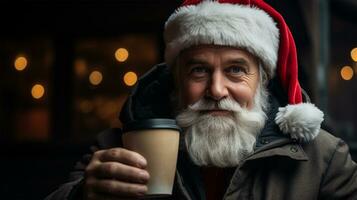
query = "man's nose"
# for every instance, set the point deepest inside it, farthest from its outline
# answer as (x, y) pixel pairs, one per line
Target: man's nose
(217, 88)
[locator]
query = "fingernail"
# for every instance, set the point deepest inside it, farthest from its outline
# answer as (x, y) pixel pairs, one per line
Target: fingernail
(142, 162)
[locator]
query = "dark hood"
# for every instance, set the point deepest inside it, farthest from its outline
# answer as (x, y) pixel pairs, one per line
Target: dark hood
(151, 97)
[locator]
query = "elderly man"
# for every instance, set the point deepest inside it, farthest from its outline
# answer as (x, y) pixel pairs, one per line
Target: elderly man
(230, 80)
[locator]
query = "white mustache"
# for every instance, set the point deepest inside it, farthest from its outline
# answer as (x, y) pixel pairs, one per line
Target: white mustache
(207, 104)
(191, 115)
(193, 110)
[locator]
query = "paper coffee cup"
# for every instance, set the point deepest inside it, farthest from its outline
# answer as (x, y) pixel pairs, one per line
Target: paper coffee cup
(158, 141)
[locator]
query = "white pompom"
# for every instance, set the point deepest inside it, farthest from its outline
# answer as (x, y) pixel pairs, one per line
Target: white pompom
(302, 121)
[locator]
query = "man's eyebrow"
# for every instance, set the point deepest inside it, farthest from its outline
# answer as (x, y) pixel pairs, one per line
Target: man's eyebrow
(240, 61)
(193, 61)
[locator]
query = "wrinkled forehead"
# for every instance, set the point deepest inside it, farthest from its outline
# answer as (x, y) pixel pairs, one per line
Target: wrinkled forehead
(206, 47)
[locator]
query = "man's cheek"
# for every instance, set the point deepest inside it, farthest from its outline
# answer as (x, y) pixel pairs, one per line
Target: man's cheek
(243, 95)
(194, 92)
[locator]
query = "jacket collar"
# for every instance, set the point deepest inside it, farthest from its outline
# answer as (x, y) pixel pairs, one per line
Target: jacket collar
(272, 142)
(271, 131)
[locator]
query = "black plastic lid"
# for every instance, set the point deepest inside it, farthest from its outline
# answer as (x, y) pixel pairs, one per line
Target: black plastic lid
(156, 123)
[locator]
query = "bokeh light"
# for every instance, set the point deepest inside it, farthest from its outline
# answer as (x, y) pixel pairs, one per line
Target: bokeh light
(20, 63)
(95, 78)
(130, 78)
(80, 67)
(354, 54)
(37, 91)
(121, 54)
(346, 73)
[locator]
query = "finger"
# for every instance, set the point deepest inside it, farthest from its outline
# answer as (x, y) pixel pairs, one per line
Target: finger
(122, 172)
(123, 156)
(119, 188)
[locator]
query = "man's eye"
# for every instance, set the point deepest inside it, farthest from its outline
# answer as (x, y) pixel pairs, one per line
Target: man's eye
(199, 70)
(236, 70)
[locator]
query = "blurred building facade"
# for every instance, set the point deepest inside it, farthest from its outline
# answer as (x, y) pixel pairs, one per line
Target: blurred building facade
(66, 68)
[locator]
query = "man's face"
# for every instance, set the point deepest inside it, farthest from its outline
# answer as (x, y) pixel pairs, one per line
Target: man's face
(223, 104)
(218, 72)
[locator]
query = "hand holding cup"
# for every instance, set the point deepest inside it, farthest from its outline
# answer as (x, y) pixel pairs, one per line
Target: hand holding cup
(114, 173)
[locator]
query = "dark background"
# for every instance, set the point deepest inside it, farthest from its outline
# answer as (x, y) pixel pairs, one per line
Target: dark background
(40, 140)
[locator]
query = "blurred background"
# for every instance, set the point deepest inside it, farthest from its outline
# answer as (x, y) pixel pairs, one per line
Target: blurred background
(66, 68)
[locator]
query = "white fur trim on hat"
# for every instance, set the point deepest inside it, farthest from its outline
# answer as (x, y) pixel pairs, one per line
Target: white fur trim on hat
(302, 121)
(235, 25)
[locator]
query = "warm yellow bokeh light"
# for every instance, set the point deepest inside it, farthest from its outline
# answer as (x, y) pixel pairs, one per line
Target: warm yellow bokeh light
(121, 54)
(346, 73)
(95, 78)
(130, 78)
(20, 63)
(37, 91)
(354, 54)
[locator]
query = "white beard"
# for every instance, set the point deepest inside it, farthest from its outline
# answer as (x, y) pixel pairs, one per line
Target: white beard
(222, 141)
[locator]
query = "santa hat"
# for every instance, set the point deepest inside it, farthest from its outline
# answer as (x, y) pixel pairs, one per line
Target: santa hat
(255, 26)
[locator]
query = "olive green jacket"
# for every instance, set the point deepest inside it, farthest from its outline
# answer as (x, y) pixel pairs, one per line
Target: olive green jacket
(283, 170)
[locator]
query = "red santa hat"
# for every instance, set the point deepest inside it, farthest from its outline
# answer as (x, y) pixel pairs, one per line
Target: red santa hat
(257, 27)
